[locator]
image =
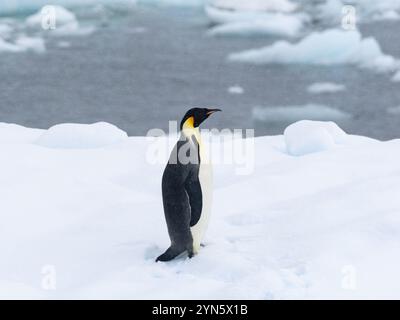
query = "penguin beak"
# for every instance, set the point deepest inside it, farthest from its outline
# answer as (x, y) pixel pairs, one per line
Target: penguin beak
(211, 111)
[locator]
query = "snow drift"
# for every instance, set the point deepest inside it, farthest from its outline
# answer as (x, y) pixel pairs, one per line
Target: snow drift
(329, 47)
(91, 219)
(81, 136)
(306, 137)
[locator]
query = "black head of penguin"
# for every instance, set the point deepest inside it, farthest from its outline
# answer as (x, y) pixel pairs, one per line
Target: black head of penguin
(194, 117)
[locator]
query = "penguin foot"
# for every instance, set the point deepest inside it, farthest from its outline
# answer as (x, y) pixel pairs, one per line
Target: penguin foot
(170, 254)
(190, 253)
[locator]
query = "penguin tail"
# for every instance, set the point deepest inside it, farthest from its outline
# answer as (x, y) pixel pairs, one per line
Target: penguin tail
(171, 253)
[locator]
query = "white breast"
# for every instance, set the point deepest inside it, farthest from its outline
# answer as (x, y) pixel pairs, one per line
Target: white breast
(206, 182)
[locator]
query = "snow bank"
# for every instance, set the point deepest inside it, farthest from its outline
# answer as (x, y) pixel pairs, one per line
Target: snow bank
(325, 87)
(81, 136)
(14, 134)
(295, 113)
(306, 137)
(330, 47)
(91, 221)
(274, 24)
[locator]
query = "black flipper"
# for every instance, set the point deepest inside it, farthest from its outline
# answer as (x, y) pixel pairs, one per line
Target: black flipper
(193, 189)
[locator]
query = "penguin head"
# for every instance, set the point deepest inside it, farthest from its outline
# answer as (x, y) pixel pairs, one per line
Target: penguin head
(194, 117)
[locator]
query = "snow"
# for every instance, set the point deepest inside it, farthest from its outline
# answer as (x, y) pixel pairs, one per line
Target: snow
(90, 221)
(329, 47)
(295, 113)
(236, 90)
(305, 137)
(275, 24)
(14, 134)
(81, 136)
(325, 87)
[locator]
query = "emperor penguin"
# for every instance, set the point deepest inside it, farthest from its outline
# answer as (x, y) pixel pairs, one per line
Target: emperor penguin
(187, 188)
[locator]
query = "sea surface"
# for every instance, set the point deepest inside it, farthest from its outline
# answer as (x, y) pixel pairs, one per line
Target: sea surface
(145, 66)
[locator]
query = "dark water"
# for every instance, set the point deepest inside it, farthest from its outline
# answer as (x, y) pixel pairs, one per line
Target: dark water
(140, 80)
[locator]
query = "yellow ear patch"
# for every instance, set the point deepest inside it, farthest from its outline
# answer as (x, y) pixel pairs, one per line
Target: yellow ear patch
(189, 123)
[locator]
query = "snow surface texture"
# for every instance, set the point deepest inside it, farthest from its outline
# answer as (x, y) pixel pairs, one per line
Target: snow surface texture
(329, 47)
(295, 113)
(89, 222)
(325, 87)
